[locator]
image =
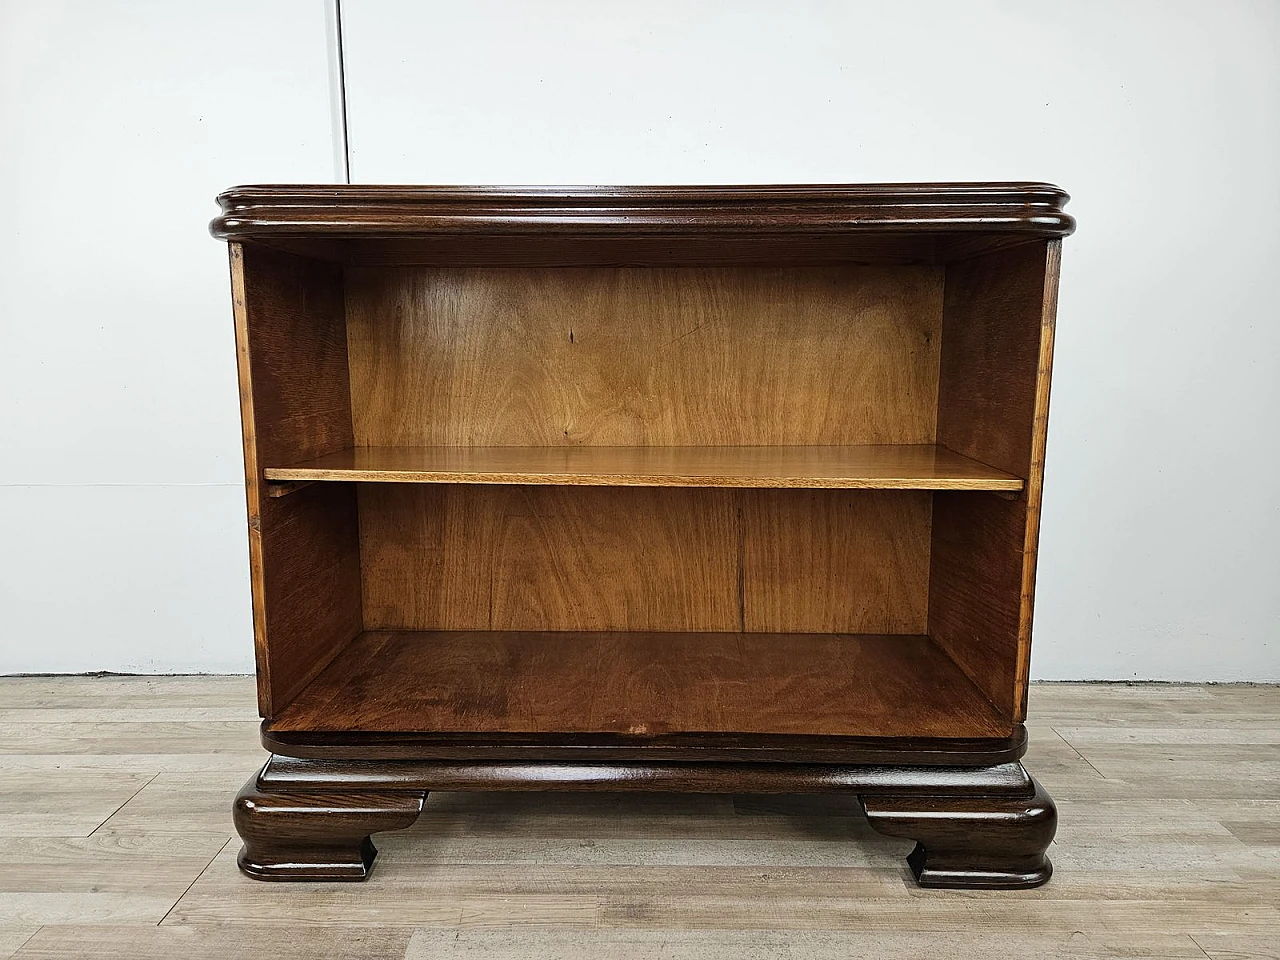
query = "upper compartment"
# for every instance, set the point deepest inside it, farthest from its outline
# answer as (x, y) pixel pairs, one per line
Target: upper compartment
(926, 223)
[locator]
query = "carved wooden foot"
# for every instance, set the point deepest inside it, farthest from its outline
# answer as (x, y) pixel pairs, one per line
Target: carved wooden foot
(316, 836)
(971, 841)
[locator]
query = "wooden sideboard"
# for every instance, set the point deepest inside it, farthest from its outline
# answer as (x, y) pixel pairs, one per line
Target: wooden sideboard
(721, 489)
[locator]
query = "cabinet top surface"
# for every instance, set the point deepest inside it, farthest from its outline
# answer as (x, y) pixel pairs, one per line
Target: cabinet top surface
(1028, 210)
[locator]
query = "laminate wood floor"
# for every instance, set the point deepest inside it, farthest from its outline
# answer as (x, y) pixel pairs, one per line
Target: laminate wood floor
(116, 841)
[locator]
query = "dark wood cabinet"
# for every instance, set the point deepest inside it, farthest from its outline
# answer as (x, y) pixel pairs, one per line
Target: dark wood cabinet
(654, 488)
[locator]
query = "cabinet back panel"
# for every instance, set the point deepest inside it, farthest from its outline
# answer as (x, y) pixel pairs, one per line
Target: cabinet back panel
(463, 557)
(644, 356)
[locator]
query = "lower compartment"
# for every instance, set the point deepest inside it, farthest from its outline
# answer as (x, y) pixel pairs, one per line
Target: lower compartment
(489, 587)
(641, 686)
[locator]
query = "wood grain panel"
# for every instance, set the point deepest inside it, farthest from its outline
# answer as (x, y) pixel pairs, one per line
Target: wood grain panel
(993, 406)
(310, 581)
(461, 557)
(834, 562)
(644, 684)
(296, 354)
(295, 404)
(974, 577)
(549, 558)
(645, 357)
(891, 467)
(998, 313)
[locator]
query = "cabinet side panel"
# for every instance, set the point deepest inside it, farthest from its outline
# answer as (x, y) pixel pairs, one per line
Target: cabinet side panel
(463, 557)
(252, 473)
(993, 400)
(664, 356)
(304, 549)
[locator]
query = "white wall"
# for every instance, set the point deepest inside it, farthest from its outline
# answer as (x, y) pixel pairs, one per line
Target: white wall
(1159, 553)
(122, 540)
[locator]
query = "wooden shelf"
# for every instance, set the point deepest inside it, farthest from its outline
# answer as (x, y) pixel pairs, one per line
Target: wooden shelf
(887, 467)
(642, 685)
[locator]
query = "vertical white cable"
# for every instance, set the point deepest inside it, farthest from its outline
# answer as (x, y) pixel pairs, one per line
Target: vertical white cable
(337, 91)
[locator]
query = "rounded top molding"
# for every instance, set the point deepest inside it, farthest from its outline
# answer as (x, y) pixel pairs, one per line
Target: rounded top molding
(1029, 210)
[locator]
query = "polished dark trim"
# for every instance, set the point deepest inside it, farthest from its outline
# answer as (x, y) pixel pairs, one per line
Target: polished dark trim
(317, 835)
(973, 826)
(971, 842)
(292, 775)
(580, 748)
(1028, 210)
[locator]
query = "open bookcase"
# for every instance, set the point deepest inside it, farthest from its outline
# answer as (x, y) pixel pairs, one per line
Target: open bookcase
(679, 488)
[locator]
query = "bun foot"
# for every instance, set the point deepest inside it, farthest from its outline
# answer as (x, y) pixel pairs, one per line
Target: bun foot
(316, 836)
(971, 842)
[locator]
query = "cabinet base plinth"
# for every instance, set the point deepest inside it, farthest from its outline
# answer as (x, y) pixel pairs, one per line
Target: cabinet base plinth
(979, 827)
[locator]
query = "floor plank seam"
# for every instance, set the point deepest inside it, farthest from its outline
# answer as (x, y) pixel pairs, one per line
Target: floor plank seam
(28, 939)
(125, 804)
(1076, 751)
(1192, 938)
(202, 872)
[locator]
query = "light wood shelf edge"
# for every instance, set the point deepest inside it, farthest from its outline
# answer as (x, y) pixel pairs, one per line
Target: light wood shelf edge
(883, 467)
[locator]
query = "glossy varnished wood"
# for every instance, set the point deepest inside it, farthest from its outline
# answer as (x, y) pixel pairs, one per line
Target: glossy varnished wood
(1025, 210)
(476, 557)
(647, 225)
(292, 775)
(510, 753)
(642, 685)
(653, 357)
(886, 467)
(978, 841)
(316, 836)
(973, 827)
